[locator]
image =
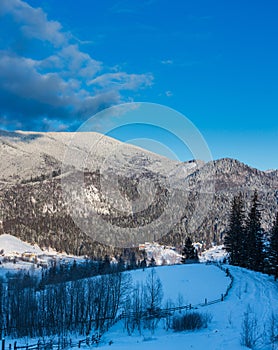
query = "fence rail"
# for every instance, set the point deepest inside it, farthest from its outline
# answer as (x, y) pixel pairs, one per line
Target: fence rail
(61, 344)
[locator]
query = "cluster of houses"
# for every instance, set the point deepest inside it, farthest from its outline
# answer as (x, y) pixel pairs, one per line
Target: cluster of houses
(149, 245)
(28, 256)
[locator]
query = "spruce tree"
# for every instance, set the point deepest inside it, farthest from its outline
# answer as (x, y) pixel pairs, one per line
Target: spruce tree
(105, 266)
(143, 263)
(189, 252)
(132, 261)
(234, 239)
(273, 249)
(153, 262)
(121, 263)
(254, 237)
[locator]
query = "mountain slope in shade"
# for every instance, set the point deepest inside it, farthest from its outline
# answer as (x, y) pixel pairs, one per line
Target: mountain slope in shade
(32, 206)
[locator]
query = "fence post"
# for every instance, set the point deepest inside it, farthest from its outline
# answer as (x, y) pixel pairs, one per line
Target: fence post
(206, 301)
(3, 344)
(222, 297)
(15, 345)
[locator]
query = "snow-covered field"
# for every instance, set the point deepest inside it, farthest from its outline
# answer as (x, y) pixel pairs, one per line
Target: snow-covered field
(251, 290)
(191, 284)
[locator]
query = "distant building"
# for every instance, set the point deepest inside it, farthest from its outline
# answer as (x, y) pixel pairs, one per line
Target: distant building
(29, 256)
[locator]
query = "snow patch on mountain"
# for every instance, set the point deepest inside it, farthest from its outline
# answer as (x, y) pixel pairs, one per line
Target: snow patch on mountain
(11, 245)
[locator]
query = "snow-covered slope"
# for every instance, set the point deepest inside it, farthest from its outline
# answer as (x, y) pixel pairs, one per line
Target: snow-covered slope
(17, 255)
(26, 154)
(251, 291)
(189, 284)
(12, 245)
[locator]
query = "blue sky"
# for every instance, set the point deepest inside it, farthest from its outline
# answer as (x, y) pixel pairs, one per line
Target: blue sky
(214, 61)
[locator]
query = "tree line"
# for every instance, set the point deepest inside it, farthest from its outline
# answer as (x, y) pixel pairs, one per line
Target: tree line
(81, 307)
(246, 241)
(78, 306)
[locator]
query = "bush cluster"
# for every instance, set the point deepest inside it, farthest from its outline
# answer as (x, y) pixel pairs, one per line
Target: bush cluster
(190, 321)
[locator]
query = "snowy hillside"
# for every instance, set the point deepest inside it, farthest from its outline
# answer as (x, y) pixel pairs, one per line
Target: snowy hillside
(39, 170)
(11, 245)
(31, 153)
(253, 294)
(188, 284)
(251, 291)
(18, 255)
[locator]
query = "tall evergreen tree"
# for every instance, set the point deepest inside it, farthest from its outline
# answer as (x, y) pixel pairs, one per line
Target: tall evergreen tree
(273, 249)
(105, 266)
(234, 239)
(153, 262)
(254, 237)
(121, 263)
(189, 252)
(132, 261)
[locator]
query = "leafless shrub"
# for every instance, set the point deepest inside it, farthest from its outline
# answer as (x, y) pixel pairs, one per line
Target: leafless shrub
(249, 333)
(191, 321)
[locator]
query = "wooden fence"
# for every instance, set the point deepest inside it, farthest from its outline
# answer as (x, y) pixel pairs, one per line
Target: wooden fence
(60, 344)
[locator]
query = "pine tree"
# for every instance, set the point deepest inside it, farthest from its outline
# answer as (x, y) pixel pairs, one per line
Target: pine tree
(234, 239)
(132, 261)
(254, 237)
(153, 262)
(105, 266)
(189, 252)
(143, 263)
(273, 249)
(121, 263)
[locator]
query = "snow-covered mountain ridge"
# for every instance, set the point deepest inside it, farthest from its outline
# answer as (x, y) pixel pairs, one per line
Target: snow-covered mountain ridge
(32, 206)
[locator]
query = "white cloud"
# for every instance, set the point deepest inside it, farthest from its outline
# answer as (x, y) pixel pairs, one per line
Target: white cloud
(66, 83)
(122, 81)
(168, 93)
(167, 62)
(33, 22)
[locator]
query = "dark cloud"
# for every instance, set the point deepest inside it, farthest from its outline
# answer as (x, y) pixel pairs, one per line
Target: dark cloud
(61, 87)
